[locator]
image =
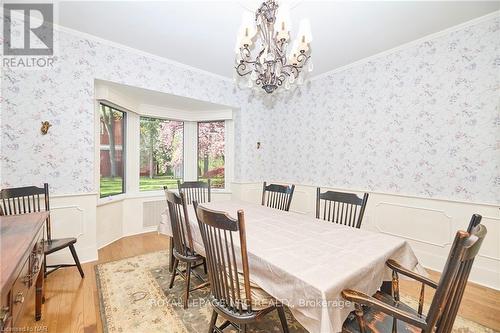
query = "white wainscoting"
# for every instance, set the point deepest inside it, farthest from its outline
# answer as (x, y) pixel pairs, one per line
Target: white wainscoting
(109, 219)
(429, 225)
(74, 216)
(124, 217)
(97, 224)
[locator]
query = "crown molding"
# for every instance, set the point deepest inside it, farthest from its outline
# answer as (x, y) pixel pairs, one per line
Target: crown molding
(408, 45)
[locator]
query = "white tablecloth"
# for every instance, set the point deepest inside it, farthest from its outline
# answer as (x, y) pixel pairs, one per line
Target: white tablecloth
(306, 262)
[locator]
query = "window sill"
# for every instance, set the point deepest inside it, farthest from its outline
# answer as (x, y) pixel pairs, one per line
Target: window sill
(145, 194)
(111, 199)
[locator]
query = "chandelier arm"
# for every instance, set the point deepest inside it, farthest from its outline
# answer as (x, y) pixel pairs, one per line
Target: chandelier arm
(270, 68)
(245, 52)
(302, 58)
(293, 70)
(241, 68)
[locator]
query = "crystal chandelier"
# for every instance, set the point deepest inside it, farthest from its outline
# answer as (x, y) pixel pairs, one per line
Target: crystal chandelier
(270, 67)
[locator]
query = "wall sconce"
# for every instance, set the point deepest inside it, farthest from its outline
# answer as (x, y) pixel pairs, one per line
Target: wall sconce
(258, 145)
(45, 127)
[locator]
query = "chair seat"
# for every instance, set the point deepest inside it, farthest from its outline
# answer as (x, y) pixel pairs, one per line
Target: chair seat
(260, 298)
(379, 322)
(58, 244)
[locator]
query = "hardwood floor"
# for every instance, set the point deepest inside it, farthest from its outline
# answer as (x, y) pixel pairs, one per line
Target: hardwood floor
(72, 304)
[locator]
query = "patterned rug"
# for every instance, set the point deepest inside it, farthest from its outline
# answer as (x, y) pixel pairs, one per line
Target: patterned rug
(134, 298)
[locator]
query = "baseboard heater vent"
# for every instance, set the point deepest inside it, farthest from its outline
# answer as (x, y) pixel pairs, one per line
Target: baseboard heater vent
(151, 212)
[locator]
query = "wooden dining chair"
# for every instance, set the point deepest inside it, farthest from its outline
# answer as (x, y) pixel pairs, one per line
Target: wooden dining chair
(195, 190)
(233, 295)
(183, 244)
(385, 313)
(30, 199)
(277, 196)
(339, 207)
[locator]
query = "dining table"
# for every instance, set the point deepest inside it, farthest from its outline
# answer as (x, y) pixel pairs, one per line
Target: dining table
(306, 262)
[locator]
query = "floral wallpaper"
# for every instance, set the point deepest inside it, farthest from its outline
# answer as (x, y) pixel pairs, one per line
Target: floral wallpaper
(423, 121)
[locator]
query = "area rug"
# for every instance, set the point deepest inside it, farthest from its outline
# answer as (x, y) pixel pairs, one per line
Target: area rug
(134, 298)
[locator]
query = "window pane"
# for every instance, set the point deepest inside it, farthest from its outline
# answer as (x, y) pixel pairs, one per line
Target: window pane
(211, 146)
(161, 153)
(112, 146)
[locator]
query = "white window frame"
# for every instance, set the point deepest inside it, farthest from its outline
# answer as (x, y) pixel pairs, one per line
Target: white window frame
(124, 153)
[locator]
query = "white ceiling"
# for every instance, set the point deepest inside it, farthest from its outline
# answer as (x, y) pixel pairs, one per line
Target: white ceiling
(202, 34)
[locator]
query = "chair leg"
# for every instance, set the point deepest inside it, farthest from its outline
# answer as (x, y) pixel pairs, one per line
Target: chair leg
(205, 266)
(77, 261)
(359, 316)
(243, 328)
(213, 321)
(174, 273)
(188, 279)
(45, 265)
(281, 314)
(172, 258)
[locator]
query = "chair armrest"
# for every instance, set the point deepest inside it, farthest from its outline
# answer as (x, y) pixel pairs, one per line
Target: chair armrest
(395, 266)
(363, 299)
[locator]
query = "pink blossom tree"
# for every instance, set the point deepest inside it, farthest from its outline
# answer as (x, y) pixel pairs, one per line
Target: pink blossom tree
(211, 147)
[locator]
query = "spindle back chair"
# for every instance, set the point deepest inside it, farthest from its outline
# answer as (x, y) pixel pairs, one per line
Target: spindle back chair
(277, 196)
(199, 191)
(389, 314)
(339, 207)
(25, 200)
(31, 199)
(232, 297)
(182, 239)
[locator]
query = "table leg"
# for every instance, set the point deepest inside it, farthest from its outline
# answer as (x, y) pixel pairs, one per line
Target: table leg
(39, 293)
(43, 289)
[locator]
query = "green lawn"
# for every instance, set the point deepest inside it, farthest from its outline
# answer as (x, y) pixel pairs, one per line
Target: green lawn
(215, 182)
(112, 186)
(156, 183)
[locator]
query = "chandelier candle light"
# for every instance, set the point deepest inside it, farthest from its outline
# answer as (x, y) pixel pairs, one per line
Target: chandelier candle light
(270, 67)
